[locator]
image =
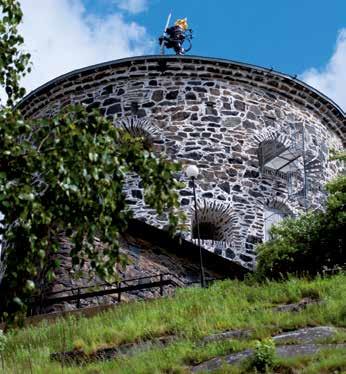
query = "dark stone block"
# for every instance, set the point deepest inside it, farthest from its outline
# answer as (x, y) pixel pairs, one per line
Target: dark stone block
(191, 96)
(114, 109)
(185, 201)
(206, 134)
(153, 83)
(92, 106)
(193, 155)
(232, 172)
(157, 95)
(107, 90)
(239, 105)
(211, 119)
(229, 253)
(254, 239)
(182, 134)
(185, 193)
(150, 104)
(141, 113)
(225, 187)
(218, 251)
(215, 91)
(194, 117)
(208, 195)
(120, 92)
(237, 161)
(167, 103)
(131, 202)
(251, 174)
(111, 101)
(172, 95)
(88, 101)
(180, 116)
(200, 89)
(255, 193)
(238, 199)
(137, 194)
(249, 125)
(245, 258)
(251, 116)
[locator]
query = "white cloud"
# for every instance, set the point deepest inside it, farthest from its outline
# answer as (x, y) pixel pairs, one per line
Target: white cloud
(132, 6)
(61, 36)
(331, 80)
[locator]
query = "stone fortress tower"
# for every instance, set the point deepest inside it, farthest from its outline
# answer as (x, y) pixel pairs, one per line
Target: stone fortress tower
(261, 139)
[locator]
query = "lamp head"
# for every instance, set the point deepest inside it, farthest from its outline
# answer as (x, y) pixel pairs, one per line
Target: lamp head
(192, 171)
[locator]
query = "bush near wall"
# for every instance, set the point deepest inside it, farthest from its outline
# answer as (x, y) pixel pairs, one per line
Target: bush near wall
(310, 244)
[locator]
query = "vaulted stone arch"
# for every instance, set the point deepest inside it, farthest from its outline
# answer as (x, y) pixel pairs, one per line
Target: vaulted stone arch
(271, 135)
(140, 128)
(215, 221)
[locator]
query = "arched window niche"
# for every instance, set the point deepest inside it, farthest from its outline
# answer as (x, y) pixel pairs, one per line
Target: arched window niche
(140, 128)
(277, 157)
(274, 212)
(215, 223)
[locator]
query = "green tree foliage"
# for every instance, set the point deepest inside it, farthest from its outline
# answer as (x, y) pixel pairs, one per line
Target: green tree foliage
(311, 243)
(65, 176)
(14, 63)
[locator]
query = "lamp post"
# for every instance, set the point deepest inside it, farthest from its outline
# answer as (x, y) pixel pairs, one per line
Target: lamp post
(192, 173)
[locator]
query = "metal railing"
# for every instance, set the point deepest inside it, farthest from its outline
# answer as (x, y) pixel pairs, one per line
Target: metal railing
(78, 294)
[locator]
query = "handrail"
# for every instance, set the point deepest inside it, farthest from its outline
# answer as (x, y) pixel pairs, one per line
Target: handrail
(171, 280)
(108, 284)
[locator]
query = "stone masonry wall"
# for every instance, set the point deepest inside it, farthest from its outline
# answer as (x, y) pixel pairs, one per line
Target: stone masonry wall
(145, 259)
(215, 115)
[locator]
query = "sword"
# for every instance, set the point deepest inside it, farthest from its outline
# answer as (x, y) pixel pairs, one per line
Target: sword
(164, 33)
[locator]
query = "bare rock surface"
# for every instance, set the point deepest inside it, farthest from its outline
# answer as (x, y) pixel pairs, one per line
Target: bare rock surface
(226, 335)
(305, 341)
(79, 357)
(300, 342)
(297, 307)
(306, 335)
(281, 351)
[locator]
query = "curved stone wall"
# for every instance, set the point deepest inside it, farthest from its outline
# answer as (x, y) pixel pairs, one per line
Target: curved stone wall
(218, 115)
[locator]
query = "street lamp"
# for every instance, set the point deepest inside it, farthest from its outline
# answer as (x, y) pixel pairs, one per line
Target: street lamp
(192, 173)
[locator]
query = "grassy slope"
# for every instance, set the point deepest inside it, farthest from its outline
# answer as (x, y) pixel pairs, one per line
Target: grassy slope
(191, 314)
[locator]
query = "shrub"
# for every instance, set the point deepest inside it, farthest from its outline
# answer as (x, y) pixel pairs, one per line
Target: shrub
(264, 356)
(309, 244)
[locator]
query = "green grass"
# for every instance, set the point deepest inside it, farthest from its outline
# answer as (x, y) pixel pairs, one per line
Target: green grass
(190, 315)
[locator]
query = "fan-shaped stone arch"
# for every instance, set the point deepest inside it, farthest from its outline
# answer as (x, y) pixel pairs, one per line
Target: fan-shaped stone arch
(140, 128)
(267, 135)
(215, 221)
(279, 204)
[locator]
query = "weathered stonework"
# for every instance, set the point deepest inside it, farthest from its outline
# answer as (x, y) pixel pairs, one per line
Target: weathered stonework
(150, 253)
(215, 114)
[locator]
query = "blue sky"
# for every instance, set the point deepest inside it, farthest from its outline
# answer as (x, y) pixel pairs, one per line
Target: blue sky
(289, 35)
(306, 37)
